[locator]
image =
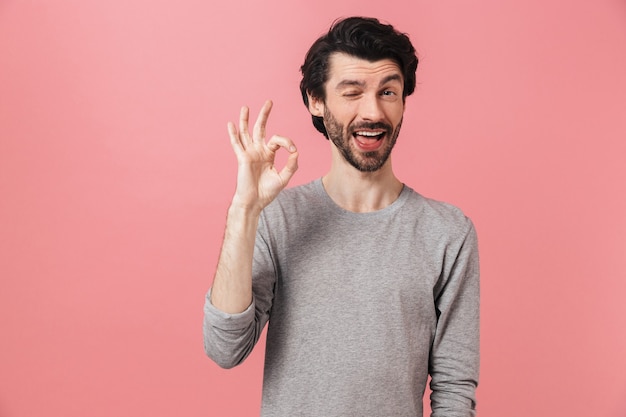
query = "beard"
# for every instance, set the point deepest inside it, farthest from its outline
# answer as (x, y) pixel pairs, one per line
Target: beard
(362, 161)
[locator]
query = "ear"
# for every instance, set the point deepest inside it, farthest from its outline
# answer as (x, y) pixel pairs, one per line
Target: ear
(316, 105)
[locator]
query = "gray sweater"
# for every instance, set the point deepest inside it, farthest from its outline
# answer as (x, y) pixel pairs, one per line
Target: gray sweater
(362, 307)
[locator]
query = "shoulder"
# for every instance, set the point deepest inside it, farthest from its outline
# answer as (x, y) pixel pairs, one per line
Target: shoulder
(294, 201)
(306, 191)
(437, 216)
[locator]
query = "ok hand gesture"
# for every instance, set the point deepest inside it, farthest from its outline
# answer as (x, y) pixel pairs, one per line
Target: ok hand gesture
(258, 180)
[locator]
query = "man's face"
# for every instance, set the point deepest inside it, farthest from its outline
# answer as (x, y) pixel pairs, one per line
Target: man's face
(363, 109)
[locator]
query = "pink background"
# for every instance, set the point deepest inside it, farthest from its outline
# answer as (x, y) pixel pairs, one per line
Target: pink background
(115, 174)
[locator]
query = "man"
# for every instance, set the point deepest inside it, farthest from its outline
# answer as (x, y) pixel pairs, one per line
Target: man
(368, 287)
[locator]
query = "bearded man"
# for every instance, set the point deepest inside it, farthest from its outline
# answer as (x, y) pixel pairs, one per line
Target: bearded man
(368, 287)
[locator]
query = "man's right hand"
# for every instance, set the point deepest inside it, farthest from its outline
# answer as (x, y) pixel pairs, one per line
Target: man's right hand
(258, 183)
(258, 180)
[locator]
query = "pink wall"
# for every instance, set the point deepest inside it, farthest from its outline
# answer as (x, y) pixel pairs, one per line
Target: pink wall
(115, 173)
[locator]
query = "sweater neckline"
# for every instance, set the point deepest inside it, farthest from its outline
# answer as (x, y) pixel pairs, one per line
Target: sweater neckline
(391, 208)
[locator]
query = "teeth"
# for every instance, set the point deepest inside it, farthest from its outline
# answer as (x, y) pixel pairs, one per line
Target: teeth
(369, 133)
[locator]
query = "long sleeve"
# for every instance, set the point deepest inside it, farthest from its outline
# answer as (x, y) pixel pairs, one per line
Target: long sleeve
(229, 338)
(454, 359)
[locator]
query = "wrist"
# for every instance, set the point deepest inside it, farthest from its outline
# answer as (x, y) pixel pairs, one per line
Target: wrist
(241, 208)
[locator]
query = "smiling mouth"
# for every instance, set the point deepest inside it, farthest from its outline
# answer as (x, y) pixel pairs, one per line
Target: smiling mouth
(368, 140)
(370, 134)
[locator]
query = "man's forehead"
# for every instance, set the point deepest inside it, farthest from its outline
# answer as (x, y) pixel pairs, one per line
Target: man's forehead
(344, 67)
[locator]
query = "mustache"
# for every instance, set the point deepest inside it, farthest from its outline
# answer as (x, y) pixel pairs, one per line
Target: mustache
(372, 126)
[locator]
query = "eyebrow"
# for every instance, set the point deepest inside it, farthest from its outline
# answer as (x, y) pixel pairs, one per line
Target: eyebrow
(356, 83)
(349, 83)
(389, 78)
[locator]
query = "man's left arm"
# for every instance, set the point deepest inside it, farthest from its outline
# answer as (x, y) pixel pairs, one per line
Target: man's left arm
(454, 359)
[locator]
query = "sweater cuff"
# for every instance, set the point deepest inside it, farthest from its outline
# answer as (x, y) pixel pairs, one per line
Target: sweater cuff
(227, 321)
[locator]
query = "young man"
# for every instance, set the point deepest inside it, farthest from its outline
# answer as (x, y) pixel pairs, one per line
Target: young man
(368, 287)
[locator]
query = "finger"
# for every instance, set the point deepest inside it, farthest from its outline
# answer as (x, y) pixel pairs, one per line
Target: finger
(235, 139)
(244, 114)
(276, 142)
(290, 168)
(261, 121)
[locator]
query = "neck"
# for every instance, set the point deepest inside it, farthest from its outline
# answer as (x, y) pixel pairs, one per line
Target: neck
(362, 192)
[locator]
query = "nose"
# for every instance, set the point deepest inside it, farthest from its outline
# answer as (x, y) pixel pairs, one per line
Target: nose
(370, 108)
